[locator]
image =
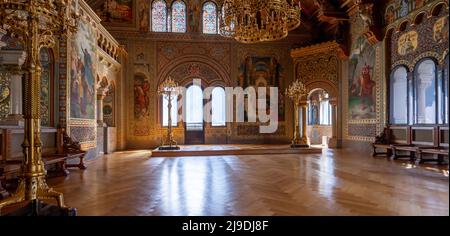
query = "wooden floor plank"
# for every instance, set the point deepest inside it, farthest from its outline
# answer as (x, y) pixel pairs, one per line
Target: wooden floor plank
(337, 182)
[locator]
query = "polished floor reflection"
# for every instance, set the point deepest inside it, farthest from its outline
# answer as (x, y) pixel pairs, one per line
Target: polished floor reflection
(332, 183)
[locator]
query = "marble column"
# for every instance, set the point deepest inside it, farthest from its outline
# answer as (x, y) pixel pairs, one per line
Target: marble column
(12, 62)
(304, 138)
(15, 113)
(333, 142)
(425, 83)
(101, 126)
(100, 98)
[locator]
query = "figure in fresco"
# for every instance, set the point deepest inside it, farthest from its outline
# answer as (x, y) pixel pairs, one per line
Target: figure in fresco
(361, 86)
(82, 73)
(403, 8)
(440, 33)
(194, 16)
(116, 11)
(366, 85)
(390, 17)
(408, 43)
(141, 97)
(419, 3)
(144, 18)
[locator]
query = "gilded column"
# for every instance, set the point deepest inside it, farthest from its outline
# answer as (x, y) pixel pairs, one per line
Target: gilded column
(304, 138)
(332, 143)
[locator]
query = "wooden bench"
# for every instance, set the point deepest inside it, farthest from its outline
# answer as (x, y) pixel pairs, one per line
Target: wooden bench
(388, 138)
(441, 152)
(72, 149)
(66, 149)
(7, 169)
(3, 192)
(411, 149)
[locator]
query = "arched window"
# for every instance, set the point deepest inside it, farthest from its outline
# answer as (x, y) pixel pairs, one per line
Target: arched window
(445, 91)
(218, 108)
(159, 16)
(425, 91)
(194, 108)
(399, 96)
(178, 17)
(46, 59)
(174, 110)
(109, 106)
(209, 18)
(319, 110)
(325, 110)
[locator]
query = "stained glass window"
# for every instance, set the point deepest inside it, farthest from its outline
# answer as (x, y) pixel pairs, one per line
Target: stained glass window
(179, 17)
(209, 18)
(159, 16)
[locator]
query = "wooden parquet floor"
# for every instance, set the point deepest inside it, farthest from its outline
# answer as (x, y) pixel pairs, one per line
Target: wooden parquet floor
(336, 182)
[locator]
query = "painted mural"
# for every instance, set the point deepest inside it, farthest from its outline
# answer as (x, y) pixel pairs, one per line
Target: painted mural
(144, 15)
(141, 97)
(362, 101)
(408, 43)
(401, 8)
(263, 71)
(194, 15)
(440, 30)
(116, 11)
(82, 73)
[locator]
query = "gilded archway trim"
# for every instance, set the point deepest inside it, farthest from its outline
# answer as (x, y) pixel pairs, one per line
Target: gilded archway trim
(326, 85)
(219, 71)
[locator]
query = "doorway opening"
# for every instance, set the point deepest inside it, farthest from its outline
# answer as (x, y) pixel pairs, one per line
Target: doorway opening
(194, 124)
(319, 119)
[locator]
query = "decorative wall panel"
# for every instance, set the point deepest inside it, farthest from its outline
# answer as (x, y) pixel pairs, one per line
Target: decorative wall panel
(427, 39)
(5, 93)
(116, 12)
(62, 84)
(362, 91)
(47, 79)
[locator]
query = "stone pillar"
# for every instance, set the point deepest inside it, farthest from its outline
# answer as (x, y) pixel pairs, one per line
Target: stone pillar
(12, 61)
(304, 138)
(333, 142)
(15, 113)
(421, 94)
(100, 96)
(101, 93)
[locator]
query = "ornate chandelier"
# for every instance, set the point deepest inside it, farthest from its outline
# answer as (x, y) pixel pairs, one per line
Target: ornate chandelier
(251, 21)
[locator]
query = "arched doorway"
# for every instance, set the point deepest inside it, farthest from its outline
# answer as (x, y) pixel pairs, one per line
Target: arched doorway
(319, 119)
(329, 93)
(194, 125)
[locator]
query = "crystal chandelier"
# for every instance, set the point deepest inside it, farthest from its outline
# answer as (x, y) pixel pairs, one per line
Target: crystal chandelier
(251, 21)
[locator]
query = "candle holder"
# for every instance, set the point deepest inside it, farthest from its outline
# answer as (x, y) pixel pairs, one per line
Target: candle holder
(295, 92)
(168, 89)
(35, 24)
